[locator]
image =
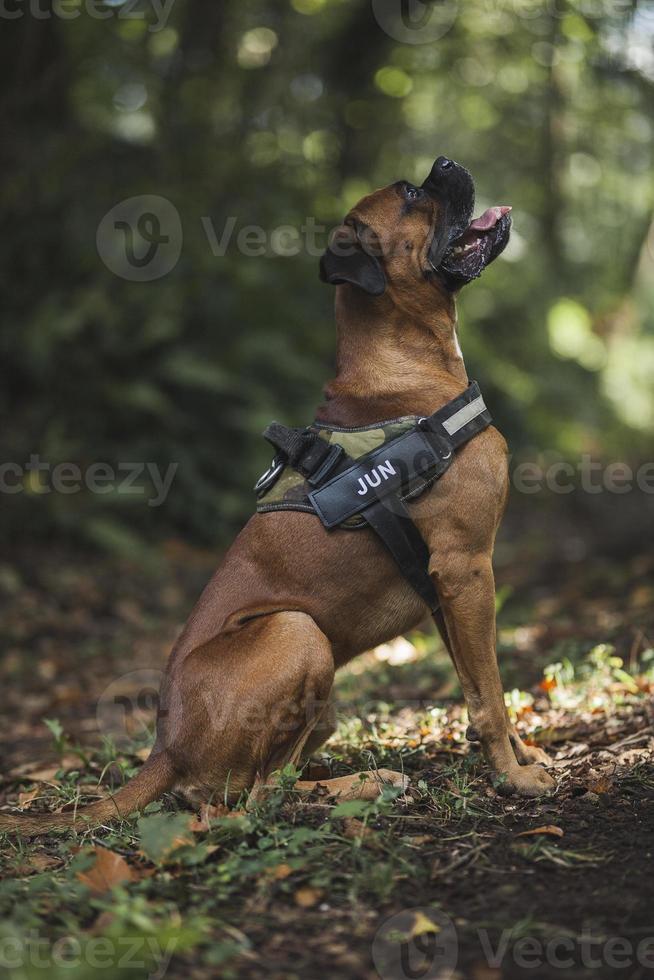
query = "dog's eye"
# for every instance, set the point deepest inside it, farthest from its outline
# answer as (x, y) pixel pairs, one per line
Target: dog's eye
(412, 193)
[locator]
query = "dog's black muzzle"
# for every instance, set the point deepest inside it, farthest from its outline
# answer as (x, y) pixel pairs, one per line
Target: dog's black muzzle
(453, 187)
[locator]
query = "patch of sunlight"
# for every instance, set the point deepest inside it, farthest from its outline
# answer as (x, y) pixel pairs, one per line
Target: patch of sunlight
(256, 47)
(516, 249)
(319, 146)
(585, 170)
(132, 29)
(478, 112)
(513, 79)
(420, 109)
(517, 701)
(600, 681)
(627, 380)
(519, 385)
(130, 97)
(575, 27)
(398, 651)
(135, 127)
(164, 42)
(571, 335)
(308, 6)
(393, 82)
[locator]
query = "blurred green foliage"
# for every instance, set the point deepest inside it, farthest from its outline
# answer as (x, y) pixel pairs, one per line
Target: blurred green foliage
(279, 112)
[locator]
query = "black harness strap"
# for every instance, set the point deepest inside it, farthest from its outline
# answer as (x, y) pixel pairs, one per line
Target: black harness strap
(377, 484)
(405, 543)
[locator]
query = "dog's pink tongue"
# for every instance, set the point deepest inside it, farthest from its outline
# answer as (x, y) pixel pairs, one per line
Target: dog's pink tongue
(489, 218)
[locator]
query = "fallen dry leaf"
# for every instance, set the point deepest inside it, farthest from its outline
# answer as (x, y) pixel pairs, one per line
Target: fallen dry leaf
(419, 839)
(422, 925)
(24, 799)
(307, 897)
(355, 829)
(599, 785)
(480, 971)
(208, 812)
(108, 870)
(44, 774)
(36, 863)
(280, 871)
(525, 711)
(547, 829)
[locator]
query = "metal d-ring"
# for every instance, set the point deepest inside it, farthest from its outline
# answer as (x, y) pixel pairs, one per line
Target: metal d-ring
(419, 423)
(268, 478)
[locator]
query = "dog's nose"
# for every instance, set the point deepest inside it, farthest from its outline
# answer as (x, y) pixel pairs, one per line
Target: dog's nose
(448, 177)
(451, 183)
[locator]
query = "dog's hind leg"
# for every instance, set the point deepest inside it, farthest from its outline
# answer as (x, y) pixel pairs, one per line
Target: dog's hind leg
(324, 729)
(244, 703)
(247, 703)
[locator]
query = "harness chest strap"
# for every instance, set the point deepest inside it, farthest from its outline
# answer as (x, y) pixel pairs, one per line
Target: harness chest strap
(376, 485)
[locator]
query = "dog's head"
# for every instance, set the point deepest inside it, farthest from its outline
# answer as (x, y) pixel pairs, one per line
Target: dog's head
(403, 238)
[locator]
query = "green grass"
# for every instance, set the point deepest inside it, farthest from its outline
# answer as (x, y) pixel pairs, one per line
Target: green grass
(193, 893)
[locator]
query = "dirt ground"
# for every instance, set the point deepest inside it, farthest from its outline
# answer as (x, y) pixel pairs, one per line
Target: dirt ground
(449, 879)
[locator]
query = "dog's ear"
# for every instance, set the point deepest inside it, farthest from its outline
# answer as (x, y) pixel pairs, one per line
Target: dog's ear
(438, 245)
(347, 261)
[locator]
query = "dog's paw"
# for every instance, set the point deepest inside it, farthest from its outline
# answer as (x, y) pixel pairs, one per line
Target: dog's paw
(359, 786)
(529, 754)
(531, 780)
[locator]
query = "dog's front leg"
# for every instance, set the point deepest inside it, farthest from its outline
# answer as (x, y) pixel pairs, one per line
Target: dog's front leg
(466, 588)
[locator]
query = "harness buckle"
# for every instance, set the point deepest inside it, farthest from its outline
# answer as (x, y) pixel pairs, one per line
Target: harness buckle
(269, 477)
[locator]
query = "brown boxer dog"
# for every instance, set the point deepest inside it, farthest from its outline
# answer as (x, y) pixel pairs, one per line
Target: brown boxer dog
(247, 683)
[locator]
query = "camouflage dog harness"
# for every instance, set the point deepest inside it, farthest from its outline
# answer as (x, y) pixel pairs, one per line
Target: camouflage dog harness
(362, 477)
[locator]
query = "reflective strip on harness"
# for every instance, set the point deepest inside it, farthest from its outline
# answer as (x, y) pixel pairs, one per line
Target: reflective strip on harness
(464, 415)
